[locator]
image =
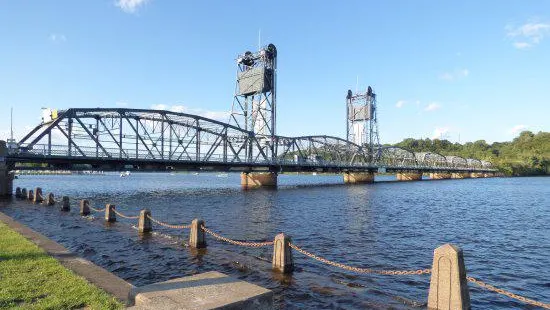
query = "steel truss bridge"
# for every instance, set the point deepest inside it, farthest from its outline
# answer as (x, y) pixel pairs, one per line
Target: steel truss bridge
(120, 139)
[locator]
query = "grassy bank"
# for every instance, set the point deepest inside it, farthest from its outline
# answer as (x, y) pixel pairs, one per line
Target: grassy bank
(31, 279)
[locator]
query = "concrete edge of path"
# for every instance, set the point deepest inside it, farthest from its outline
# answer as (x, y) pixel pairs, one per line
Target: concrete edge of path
(94, 274)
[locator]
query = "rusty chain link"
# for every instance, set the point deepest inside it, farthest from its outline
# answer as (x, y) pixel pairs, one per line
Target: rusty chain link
(357, 269)
(168, 225)
(96, 210)
(509, 294)
(125, 216)
(241, 243)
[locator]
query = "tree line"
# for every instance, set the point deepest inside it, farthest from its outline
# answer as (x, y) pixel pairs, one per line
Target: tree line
(527, 154)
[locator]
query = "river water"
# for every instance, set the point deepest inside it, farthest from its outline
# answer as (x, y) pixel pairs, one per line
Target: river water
(502, 225)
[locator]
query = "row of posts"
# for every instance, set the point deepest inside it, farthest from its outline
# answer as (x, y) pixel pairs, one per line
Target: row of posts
(448, 284)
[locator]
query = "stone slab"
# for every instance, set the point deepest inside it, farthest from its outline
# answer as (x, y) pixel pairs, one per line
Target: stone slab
(94, 274)
(209, 290)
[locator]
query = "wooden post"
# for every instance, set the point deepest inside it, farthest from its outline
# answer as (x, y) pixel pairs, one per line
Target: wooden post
(50, 200)
(38, 195)
(23, 193)
(30, 195)
(84, 207)
(448, 285)
(282, 254)
(18, 192)
(66, 206)
(110, 215)
(144, 222)
(196, 235)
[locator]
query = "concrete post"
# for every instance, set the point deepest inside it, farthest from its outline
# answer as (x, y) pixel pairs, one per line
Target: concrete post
(18, 192)
(6, 176)
(196, 235)
(23, 193)
(84, 207)
(282, 254)
(144, 222)
(66, 206)
(250, 180)
(30, 195)
(50, 200)
(448, 286)
(38, 195)
(110, 215)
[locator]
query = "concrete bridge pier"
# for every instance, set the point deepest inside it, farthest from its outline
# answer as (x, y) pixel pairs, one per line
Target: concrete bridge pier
(358, 177)
(251, 180)
(409, 176)
(6, 175)
(476, 175)
(460, 175)
(440, 175)
(488, 175)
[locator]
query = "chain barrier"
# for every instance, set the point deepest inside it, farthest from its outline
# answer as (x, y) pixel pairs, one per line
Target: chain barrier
(168, 225)
(357, 269)
(241, 243)
(96, 210)
(125, 216)
(491, 288)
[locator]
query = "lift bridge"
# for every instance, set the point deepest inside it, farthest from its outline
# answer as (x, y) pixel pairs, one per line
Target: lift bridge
(123, 139)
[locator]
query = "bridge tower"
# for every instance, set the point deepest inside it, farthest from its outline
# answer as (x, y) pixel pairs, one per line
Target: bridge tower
(362, 126)
(254, 104)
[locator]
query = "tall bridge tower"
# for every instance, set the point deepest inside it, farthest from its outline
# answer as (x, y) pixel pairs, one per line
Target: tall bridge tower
(362, 126)
(254, 104)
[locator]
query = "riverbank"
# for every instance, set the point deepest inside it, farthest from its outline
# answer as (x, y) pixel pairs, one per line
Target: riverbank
(30, 278)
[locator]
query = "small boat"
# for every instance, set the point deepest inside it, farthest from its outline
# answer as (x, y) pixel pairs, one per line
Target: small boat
(314, 173)
(195, 173)
(125, 174)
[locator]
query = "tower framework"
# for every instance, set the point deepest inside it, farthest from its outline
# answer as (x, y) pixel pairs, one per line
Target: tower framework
(362, 126)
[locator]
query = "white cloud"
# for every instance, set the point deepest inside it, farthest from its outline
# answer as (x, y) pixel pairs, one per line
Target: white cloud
(456, 74)
(517, 128)
(400, 103)
(130, 6)
(528, 35)
(440, 133)
(216, 115)
(432, 106)
(57, 37)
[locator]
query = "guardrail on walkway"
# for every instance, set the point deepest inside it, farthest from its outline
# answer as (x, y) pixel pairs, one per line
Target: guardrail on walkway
(448, 283)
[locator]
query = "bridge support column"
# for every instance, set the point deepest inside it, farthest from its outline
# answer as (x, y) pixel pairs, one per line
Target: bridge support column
(440, 175)
(476, 175)
(358, 177)
(6, 175)
(460, 175)
(488, 175)
(250, 180)
(409, 176)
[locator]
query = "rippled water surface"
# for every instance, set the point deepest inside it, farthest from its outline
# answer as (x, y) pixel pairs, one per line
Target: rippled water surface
(502, 225)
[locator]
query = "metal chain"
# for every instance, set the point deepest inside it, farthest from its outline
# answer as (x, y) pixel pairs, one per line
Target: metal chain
(125, 216)
(241, 243)
(509, 294)
(96, 210)
(357, 269)
(168, 225)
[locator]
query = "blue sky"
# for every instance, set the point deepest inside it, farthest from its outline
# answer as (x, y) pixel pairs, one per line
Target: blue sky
(465, 70)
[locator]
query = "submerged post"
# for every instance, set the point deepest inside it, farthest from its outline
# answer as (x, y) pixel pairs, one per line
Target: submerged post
(30, 195)
(38, 195)
(196, 235)
(50, 200)
(23, 193)
(66, 206)
(144, 222)
(84, 207)
(282, 254)
(448, 285)
(18, 192)
(110, 215)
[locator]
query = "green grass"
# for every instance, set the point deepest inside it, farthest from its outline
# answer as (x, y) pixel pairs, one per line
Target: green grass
(31, 279)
